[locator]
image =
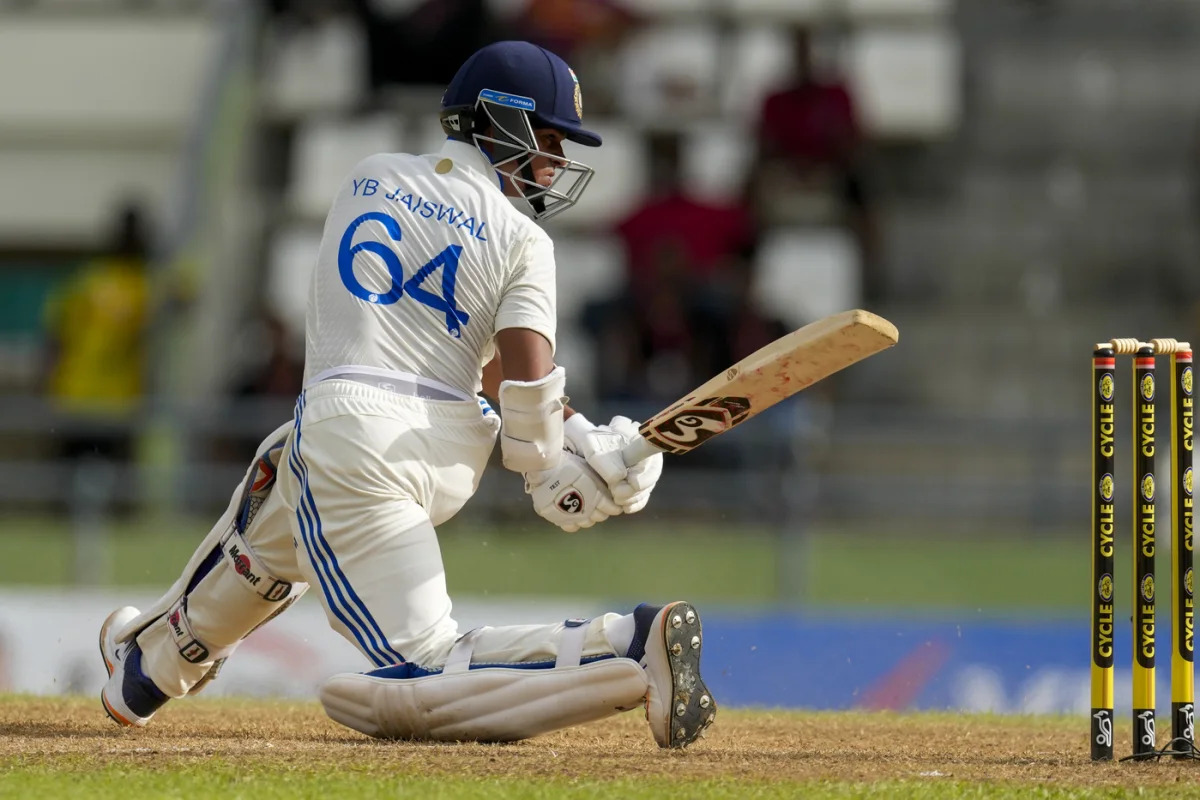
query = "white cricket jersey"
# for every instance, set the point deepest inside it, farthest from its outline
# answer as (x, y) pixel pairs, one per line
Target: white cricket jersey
(422, 260)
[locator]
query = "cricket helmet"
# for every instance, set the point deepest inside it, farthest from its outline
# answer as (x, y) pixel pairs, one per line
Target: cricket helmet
(496, 100)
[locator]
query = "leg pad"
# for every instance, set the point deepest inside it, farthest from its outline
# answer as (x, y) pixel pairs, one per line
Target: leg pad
(493, 704)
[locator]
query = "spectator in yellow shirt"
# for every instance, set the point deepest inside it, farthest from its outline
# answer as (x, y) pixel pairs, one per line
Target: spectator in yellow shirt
(97, 329)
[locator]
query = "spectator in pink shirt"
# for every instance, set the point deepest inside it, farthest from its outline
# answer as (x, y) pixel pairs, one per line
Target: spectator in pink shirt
(809, 168)
(684, 311)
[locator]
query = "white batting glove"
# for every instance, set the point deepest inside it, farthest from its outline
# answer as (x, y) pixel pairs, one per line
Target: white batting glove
(571, 495)
(601, 445)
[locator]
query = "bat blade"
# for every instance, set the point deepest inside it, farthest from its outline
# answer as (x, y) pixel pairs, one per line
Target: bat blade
(767, 376)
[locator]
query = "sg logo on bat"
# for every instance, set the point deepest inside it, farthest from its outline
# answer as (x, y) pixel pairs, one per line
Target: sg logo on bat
(694, 423)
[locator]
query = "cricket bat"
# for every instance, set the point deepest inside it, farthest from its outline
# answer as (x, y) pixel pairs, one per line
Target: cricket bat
(773, 373)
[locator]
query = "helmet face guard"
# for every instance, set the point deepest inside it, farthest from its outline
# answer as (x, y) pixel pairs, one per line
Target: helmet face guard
(511, 146)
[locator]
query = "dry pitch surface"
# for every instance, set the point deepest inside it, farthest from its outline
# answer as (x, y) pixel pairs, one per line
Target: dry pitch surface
(227, 748)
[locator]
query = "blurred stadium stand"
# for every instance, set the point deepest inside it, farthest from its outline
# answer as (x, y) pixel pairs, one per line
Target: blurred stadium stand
(95, 108)
(1031, 164)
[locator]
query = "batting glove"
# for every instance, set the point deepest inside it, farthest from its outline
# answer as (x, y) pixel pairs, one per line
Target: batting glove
(571, 495)
(600, 446)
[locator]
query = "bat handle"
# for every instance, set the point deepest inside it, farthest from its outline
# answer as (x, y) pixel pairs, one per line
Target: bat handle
(638, 450)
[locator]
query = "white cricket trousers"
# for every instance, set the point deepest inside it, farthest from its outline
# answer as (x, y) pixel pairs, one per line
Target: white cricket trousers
(363, 477)
(366, 474)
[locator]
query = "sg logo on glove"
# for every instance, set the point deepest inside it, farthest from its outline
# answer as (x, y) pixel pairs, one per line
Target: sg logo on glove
(571, 502)
(572, 495)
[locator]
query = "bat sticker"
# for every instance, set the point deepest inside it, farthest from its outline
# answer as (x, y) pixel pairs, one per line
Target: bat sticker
(694, 423)
(767, 376)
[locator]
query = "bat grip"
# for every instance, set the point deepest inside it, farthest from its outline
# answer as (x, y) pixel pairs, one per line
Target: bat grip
(638, 450)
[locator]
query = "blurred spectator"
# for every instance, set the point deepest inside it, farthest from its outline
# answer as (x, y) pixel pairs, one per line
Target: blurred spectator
(586, 33)
(278, 371)
(265, 387)
(96, 345)
(687, 268)
(424, 45)
(731, 326)
(416, 44)
(644, 335)
(309, 13)
(707, 235)
(809, 168)
(568, 26)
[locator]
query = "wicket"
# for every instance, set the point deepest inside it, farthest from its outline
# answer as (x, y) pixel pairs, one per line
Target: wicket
(1144, 543)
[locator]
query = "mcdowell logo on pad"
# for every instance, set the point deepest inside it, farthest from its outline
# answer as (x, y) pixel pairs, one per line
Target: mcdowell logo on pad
(514, 100)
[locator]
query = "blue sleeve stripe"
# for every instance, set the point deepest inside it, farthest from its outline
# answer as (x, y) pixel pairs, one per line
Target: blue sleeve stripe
(329, 587)
(369, 625)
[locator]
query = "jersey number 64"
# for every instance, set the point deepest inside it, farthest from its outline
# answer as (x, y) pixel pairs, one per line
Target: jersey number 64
(400, 286)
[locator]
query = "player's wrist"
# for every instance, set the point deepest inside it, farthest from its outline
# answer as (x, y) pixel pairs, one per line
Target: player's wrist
(575, 430)
(535, 478)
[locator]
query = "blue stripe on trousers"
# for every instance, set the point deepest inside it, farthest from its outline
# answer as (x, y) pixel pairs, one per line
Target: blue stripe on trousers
(378, 640)
(306, 533)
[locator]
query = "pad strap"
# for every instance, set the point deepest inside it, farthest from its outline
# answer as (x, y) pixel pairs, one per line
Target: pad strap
(255, 577)
(191, 649)
(459, 659)
(570, 643)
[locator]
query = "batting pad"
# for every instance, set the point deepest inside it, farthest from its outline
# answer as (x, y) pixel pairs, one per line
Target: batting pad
(484, 705)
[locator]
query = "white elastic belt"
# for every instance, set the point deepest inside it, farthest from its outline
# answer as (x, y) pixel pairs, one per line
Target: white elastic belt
(391, 380)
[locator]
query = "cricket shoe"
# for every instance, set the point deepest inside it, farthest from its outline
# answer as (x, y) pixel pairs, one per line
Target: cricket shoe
(129, 697)
(667, 643)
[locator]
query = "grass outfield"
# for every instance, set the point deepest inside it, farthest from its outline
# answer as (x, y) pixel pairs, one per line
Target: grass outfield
(621, 559)
(65, 747)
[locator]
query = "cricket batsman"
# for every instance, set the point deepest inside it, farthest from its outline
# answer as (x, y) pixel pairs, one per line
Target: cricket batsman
(433, 286)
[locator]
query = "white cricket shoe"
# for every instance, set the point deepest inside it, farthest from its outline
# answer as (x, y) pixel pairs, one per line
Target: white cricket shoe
(678, 704)
(129, 697)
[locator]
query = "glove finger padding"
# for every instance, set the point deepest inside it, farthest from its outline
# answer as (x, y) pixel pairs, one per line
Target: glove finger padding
(599, 445)
(633, 492)
(633, 495)
(571, 495)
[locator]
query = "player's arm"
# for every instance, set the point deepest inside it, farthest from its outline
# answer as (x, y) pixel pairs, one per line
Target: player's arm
(529, 389)
(531, 395)
(530, 357)
(493, 373)
(531, 392)
(524, 359)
